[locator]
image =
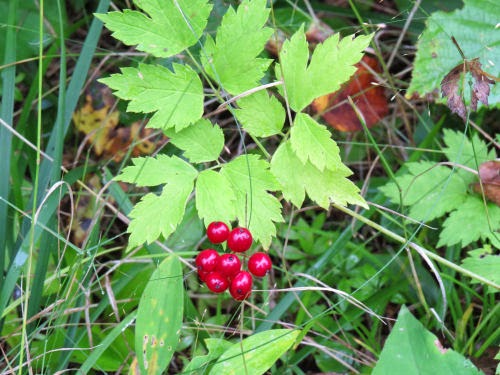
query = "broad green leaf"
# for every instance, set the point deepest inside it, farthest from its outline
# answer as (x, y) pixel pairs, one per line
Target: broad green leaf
(232, 59)
(475, 27)
(332, 63)
(251, 182)
(466, 151)
(149, 171)
(470, 222)
(215, 198)
(484, 263)
(412, 350)
(201, 142)
(199, 364)
(175, 96)
(255, 354)
(323, 187)
(172, 25)
(159, 317)
(431, 190)
(261, 115)
(157, 215)
(313, 142)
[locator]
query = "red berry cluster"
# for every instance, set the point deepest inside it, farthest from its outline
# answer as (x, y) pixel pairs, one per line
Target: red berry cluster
(223, 271)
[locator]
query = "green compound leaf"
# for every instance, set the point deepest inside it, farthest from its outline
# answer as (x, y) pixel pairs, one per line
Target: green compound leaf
(255, 354)
(201, 142)
(323, 187)
(148, 171)
(172, 26)
(306, 82)
(251, 181)
(159, 317)
(232, 59)
(199, 364)
(470, 222)
(430, 190)
(175, 96)
(215, 198)
(464, 151)
(157, 215)
(412, 350)
(313, 142)
(475, 27)
(484, 263)
(261, 115)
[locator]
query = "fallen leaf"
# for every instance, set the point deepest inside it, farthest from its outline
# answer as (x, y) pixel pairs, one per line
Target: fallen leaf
(368, 97)
(489, 173)
(451, 87)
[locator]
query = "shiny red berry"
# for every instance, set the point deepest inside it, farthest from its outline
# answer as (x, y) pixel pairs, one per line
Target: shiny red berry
(217, 232)
(241, 286)
(207, 260)
(202, 275)
(239, 240)
(216, 282)
(259, 264)
(228, 265)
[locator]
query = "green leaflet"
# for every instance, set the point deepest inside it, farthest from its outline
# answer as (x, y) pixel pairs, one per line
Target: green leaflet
(256, 209)
(201, 142)
(159, 317)
(483, 262)
(260, 351)
(215, 198)
(172, 26)
(261, 115)
(475, 29)
(232, 59)
(312, 141)
(215, 347)
(323, 187)
(157, 215)
(175, 96)
(412, 350)
(331, 65)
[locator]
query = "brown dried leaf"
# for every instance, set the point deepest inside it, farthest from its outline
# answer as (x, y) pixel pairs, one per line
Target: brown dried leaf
(450, 87)
(489, 173)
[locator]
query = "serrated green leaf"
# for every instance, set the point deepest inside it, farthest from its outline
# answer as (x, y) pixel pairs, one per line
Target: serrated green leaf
(215, 198)
(201, 142)
(470, 222)
(412, 350)
(199, 364)
(172, 26)
(175, 96)
(484, 263)
(251, 182)
(255, 354)
(232, 59)
(159, 317)
(261, 115)
(431, 190)
(305, 82)
(323, 187)
(475, 27)
(149, 171)
(464, 151)
(313, 142)
(157, 215)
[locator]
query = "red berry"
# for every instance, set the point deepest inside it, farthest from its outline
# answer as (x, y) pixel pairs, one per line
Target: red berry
(259, 264)
(228, 265)
(241, 286)
(217, 232)
(239, 240)
(202, 275)
(207, 260)
(216, 282)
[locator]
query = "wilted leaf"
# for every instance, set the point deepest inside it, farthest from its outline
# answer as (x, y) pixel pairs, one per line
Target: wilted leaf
(368, 97)
(489, 173)
(452, 84)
